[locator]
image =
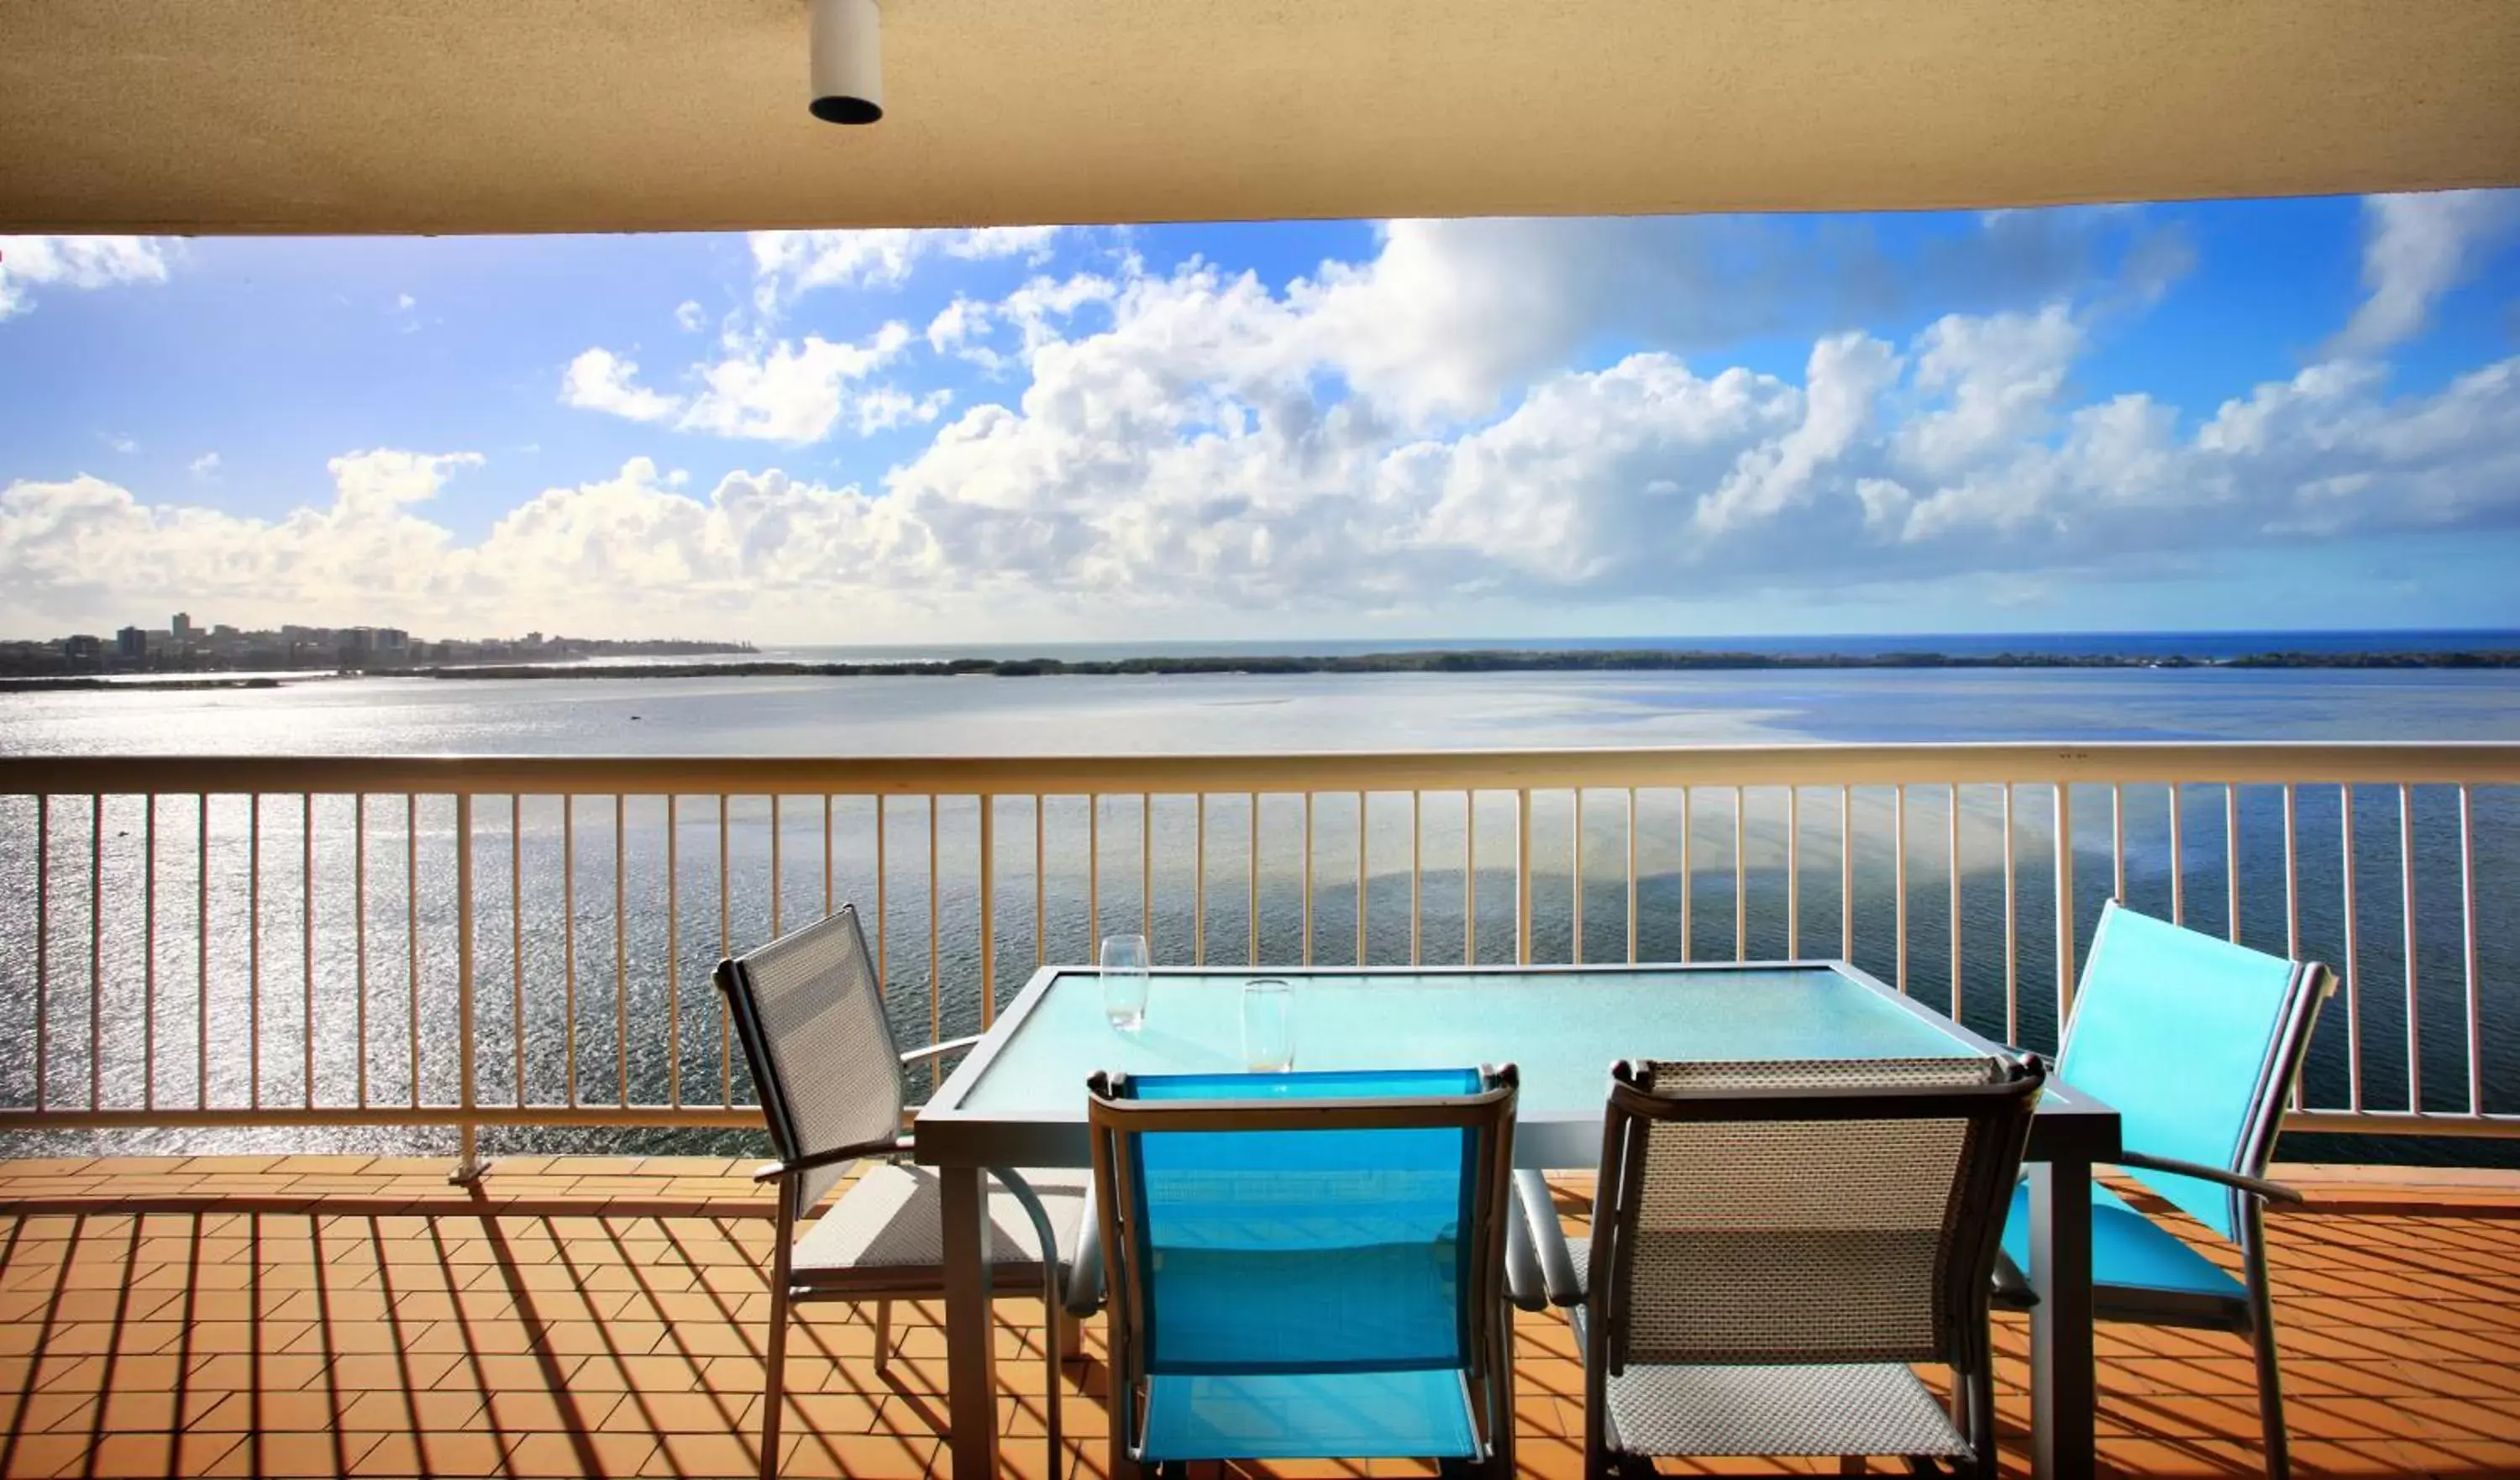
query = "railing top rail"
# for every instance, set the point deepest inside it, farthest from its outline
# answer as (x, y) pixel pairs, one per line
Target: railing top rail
(1789, 764)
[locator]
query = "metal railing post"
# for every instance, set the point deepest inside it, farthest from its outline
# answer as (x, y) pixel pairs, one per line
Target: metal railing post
(2064, 909)
(988, 882)
(1522, 877)
(468, 1155)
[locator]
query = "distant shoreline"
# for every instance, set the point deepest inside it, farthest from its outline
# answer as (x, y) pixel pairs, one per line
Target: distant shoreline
(1572, 660)
(89, 683)
(1493, 660)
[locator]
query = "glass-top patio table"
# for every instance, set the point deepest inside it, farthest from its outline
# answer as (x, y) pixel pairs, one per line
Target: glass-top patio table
(1018, 1099)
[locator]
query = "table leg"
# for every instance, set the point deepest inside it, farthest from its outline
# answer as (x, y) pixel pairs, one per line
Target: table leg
(2061, 1368)
(971, 1358)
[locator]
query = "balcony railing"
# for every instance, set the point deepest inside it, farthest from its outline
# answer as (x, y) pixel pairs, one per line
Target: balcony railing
(192, 942)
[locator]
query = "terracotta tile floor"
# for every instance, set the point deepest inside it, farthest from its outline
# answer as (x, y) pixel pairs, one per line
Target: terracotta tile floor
(319, 1315)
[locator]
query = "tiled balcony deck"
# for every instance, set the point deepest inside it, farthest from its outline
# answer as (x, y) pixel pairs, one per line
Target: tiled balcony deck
(313, 1316)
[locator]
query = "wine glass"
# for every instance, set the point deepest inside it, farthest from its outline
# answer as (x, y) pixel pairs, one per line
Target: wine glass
(1125, 969)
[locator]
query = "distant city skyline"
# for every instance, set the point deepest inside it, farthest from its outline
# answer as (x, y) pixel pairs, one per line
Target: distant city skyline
(181, 624)
(2223, 416)
(183, 644)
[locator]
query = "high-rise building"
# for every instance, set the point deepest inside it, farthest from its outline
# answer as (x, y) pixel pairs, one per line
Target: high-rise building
(182, 627)
(131, 643)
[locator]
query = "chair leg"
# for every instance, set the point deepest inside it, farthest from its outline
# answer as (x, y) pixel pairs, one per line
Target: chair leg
(1053, 1328)
(2262, 1334)
(2271, 1403)
(2270, 1406)
(1599, 1462)
(1981, 1416)
(883, 1336)
(774, 1367)
(1116, 1461)
(1500, 1386)
(774, 1382)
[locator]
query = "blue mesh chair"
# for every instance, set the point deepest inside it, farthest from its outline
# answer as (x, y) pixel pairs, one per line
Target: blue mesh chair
(1307, 1266)
(2197, 1043)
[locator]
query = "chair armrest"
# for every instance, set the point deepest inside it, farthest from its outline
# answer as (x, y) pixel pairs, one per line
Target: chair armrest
(1085, 1271)
(936, 1051)
(1538, 1214)
(775, 1170)
(1524, 1287)
(2257, 1187)
(1030, 1201)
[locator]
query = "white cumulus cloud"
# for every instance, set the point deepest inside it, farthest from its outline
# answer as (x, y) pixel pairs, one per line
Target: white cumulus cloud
(787, 263)
(885, 408)
(27, 263)
(1461, 421)
(1258, 446)
(2417, 247)
(789, 391)
(785, 390)
(769, 387)
(86, 551)
(1139, 474)
(601, 380)
(778, 391)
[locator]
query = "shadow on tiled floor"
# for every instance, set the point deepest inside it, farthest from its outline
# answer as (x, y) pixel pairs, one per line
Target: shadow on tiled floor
(322, 1316)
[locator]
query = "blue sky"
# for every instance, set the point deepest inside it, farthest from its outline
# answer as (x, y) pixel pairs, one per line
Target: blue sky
(2270, 413)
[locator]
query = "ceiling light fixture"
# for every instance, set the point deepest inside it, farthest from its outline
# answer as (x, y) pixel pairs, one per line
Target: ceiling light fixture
(848, 60)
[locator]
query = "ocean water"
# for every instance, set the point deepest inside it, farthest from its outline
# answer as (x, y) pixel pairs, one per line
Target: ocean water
(233, 1001)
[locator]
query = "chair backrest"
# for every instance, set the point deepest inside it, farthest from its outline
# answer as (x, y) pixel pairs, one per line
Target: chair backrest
(1303, 1222)
(2196, 1042)
(1805, 1212)
(809, 1012)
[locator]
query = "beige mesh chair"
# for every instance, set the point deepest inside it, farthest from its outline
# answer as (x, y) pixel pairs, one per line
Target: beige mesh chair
(1775, 1243)
(810, 1014)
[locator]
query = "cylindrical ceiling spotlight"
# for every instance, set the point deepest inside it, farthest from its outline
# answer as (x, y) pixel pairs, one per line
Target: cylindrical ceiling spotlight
(848, 60)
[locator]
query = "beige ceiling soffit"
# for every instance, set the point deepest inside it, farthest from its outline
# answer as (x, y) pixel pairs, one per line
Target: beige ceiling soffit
(532, 115)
